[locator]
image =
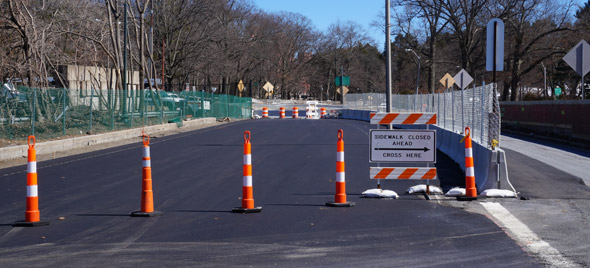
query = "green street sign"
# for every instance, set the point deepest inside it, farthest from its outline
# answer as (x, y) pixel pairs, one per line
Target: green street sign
(557, 91)
(342, 81)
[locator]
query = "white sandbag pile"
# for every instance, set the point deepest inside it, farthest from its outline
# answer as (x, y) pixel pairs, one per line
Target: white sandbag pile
(455, 191)
(379, 193)
(498, 193)
(421, 188)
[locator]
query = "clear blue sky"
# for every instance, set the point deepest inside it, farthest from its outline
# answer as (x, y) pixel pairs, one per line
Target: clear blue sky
(322, 13)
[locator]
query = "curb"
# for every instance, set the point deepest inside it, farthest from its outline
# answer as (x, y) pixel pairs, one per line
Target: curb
(20, 151)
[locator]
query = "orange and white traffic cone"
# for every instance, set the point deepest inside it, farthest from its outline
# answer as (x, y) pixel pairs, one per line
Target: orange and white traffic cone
(282, 112)
(147, 194)
(32, 214)
(340, 197)
(247, 190)
(323, 113)
(295, 112)
(470, 189)
(264, 112)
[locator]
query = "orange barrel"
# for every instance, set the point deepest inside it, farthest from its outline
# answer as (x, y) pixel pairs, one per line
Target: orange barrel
(264, 112)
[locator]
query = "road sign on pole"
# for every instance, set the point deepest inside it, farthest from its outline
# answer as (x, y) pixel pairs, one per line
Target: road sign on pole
(241, 86)
(447, 81)
(495, 45)
(268, 87)
(342, 81)
(579, 59)
(342, 90)
(418, 146)
(463, 79)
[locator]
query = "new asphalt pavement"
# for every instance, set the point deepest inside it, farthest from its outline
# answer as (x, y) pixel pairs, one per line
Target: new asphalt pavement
(197, 180)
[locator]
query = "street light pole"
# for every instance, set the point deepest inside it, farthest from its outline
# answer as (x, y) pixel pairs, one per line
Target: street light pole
(417, 76)
(388, 58)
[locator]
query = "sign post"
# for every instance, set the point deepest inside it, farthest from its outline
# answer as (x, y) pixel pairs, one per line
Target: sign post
(268, 87)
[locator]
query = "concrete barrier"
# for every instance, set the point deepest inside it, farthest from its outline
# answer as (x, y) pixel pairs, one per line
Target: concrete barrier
(49, 147)
(488, 163)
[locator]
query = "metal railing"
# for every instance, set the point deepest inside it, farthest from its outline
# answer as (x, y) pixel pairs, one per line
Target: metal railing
(475, 107)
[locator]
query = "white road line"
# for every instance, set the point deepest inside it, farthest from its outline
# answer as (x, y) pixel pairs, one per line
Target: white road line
(527, 238)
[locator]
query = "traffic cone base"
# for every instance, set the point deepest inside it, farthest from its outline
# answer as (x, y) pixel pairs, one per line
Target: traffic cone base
(246, 210)
(345, 204)
(30, 224)
(145, 214)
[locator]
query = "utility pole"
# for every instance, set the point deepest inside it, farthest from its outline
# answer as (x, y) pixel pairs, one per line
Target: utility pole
(388, 56)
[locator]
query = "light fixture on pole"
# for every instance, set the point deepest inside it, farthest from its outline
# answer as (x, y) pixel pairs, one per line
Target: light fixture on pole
(417, 76)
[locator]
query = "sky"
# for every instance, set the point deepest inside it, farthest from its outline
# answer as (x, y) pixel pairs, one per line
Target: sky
(322, 13)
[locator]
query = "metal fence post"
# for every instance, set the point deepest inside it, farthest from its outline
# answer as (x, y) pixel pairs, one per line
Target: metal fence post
(91, 98)
(462, 110)
(483, 97)
(64, 113)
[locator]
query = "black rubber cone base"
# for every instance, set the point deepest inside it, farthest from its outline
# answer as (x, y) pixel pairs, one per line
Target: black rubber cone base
(246, 210)
(466, 198)
(341, 205)
(145, 214)
(30, 224)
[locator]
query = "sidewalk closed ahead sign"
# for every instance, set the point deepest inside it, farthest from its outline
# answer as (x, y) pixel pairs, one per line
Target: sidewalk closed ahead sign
(397, 145)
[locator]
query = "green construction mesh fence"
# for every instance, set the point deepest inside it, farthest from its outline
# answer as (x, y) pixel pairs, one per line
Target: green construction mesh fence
(51, 113)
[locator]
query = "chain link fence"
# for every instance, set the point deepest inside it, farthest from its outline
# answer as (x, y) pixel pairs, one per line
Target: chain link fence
(51, 113)
(476, 107)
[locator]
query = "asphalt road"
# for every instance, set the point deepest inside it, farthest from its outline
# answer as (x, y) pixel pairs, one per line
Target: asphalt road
(197, 180)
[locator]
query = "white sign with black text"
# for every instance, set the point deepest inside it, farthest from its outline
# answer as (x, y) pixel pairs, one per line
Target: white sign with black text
(395, 145)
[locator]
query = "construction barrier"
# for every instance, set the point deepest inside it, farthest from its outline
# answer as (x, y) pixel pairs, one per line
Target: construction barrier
(402, 173)
(282, 112)
(247, 190)
(340, 197)
(322, 113)
(295, 112)
(470, 190)
(264, 112)
(403, 118)
(147, 194)
(32, 214)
